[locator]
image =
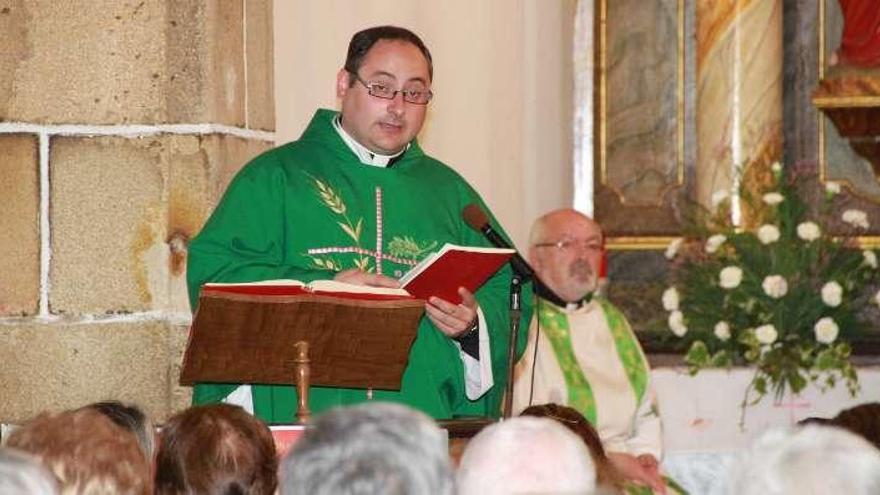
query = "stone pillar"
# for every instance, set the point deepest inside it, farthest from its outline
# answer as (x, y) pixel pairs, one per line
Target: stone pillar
(121, 123)
(739, 92)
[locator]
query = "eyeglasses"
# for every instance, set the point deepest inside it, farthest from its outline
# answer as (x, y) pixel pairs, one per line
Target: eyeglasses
(571, 244)
(384, 91)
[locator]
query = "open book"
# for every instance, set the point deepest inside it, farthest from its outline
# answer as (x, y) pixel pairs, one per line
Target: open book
(284, 287)
(443, 272)
(439, 274)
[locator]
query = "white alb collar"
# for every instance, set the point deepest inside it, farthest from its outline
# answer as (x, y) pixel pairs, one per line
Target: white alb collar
(366, 156)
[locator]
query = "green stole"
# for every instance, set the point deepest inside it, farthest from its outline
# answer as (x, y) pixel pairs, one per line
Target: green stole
(554, 322)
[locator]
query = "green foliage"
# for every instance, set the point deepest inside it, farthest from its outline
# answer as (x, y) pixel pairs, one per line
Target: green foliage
(794, 327)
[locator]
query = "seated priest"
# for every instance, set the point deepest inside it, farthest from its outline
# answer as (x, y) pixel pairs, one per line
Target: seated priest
(582, 353)
(356, 199)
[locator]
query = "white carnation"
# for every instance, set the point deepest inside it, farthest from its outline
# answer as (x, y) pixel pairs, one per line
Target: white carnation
(670, 299)
(808, 231)
(730, 277)
(870, 258)
(775, 286)
(776, 167)
(826, 330)
(715, 242)
(832, 188)
(768, 234)
(673, 247)
(832, 294)
(773, 198)
(718, 197)
(676, 323)
(722, 330)
(766, 334)
(856, 218)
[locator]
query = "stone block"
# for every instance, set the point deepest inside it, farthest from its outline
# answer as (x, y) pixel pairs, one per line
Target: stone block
(115, 62)
(259, 49)
(60, 366)
(107, 222)
(83, 62)
(180, 396)
(19, 224)
(124, 210)
(205, 62)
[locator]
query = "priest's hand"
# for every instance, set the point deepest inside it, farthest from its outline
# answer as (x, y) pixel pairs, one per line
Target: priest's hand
(642, 470)
(359, 277)
(453, 319)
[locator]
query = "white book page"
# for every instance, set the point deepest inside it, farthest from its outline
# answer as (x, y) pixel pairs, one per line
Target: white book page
(426, 261)
(281, 281)
(336, 286)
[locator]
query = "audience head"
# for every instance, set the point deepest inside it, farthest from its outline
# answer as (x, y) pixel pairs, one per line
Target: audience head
(21, 474)
(370, 448)
(216, 449)
(806, 460)
(132, 419)
(526, 455)
(565, 249)
(570, 418)
(863, 420)
(86, 452)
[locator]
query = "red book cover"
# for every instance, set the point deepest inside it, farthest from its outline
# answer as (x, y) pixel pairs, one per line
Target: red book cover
(442, 273)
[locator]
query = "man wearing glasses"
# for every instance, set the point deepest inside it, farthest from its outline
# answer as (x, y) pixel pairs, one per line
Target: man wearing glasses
(587, 356)
(356, 199)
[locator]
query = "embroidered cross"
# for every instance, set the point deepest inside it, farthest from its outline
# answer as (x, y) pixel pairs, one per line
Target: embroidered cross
(378, 253)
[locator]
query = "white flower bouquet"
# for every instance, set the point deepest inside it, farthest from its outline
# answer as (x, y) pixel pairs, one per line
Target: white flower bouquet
(782, 296)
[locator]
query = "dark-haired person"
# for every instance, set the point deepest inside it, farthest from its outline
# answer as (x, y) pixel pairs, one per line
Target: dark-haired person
(216, 449)
(358, 200)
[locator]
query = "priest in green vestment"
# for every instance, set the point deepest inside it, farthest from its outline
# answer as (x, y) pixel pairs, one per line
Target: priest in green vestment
(582, 353)
(358, 200)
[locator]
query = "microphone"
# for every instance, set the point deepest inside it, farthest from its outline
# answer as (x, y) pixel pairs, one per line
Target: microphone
(479, 221)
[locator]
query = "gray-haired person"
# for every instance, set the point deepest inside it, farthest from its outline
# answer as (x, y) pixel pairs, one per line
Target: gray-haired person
(370, 448)
(526, 455)
(812, 459)
(22, 474)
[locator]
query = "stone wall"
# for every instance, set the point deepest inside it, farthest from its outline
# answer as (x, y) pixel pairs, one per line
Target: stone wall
(121, 123)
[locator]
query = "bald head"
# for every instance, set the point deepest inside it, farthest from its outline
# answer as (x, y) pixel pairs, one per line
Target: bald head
(565, 249)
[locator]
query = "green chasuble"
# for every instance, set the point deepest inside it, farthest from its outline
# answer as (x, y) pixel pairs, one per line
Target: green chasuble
(309, 209)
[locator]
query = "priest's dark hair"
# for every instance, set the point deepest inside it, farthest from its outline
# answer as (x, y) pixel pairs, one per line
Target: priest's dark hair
(362, 41)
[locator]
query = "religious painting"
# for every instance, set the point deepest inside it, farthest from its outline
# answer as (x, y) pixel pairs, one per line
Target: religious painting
(849, 93)
(640, 120)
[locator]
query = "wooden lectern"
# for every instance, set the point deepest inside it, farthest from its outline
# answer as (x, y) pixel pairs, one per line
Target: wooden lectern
(304, 339)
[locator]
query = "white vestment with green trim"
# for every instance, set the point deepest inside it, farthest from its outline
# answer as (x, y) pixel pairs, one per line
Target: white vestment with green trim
(608, 378)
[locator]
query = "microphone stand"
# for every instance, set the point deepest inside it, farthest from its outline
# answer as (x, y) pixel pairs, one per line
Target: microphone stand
(515, 313)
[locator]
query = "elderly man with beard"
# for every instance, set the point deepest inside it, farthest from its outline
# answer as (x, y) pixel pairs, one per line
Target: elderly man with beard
(582, 353)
